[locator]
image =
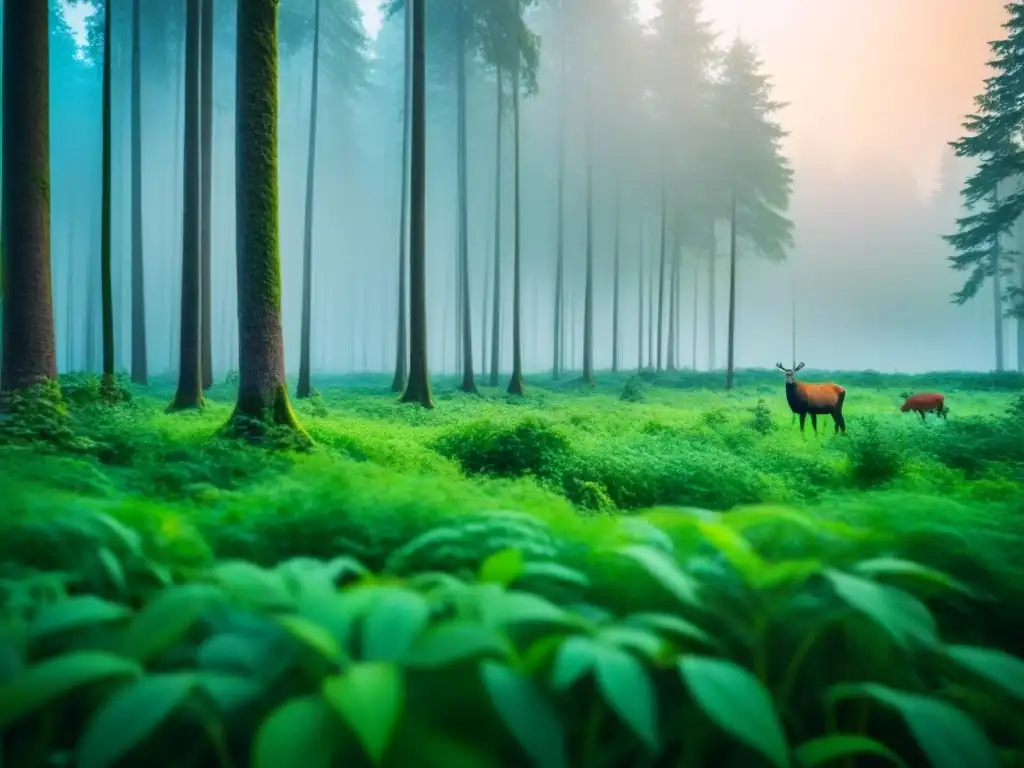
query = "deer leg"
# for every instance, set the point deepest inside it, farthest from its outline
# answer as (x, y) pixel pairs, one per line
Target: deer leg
(923, 419)
(803, 419)
(837, 417)
(814, 423)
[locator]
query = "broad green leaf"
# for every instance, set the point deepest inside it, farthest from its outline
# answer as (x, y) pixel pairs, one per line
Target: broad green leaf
(453, 641)
(165, 620)
(502, 567)
(128, 717)
(664, 570)
(229, 652)
(227, 691)
(948, 737)
(738, 703)
(39, 684)
(299, 732)
(643, 640)
(314, 636)
(895, 566)
(901, 614)
(393, 623)
(74, 613)
(252, 585)
(344, 565)
(112, 567)
(627, 688)
(370, 697)
(666, 622)
(733, 546)
(515, 607)
(786, 573)
(998, 667)
(828, 750)
(554, 572)
(576, 656)
(529, 716)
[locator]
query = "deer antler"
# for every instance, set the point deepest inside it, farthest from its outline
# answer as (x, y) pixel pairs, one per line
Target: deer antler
(780, 366)
(798, 367)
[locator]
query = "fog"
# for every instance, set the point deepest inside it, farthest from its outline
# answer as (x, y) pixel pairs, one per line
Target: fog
(874, 93)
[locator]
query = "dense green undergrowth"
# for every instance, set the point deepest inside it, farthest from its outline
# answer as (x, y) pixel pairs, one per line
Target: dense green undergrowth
(603, 484)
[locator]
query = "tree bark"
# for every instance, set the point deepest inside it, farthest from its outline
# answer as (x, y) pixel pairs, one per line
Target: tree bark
(262, 393)
(140, 365)
(206, 216)
(730, 371)
(401, 342)
(29, 353)
(106, 279)
(559, 351)
(640, 306)
(418, 388)
(496, 300)
(468, 383)
(304, 388)
(617, 212)
(588, 287)
(712, 283)
(997, 293)
(190, 383)
(661, 271)
(516, 386)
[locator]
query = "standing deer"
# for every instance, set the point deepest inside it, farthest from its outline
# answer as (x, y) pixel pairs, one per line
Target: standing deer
(925, 403)
(815, 399)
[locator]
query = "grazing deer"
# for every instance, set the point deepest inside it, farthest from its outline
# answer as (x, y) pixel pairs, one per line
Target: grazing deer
(815, 399)
(924, 403)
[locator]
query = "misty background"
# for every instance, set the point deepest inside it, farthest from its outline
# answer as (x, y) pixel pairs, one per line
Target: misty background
(875, 90)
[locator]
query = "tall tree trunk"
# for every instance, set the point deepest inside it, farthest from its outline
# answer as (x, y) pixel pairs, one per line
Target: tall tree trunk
(483, 309)
(262, 393)
(206, 215)
(615, 280)
(696, 289)
(712, 292)
(558, 351)
(997, 291)
(92, 365)
(106, 278)
(304, 388)
(401, 343)
(496, 301)
(190, 382)
(588, 286)
(418, 388)
(468, 383)
(1020, 297)
(516, 386)
(673, 276)
(140, 366)
(661, 270)
(640, 306)
(731, 342)
(651, 274)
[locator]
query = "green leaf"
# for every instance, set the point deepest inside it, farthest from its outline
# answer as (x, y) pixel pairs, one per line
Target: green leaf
(39, 684)
(627, 688)
(527, 713)
(786, 573)
(664, 570)
(665, 622)
(393, 623)
(454, 641)
(74, 613)
(167, 619)
(736, 549)
(313, 636)
(299, 732)
(576, 656)
(228, 692)
(895, 566)
(112, 567)
(827, 750)
(738, 703)
(515, 607)
(554, 572)
(229, 652)
(901, 614)
(252, 585)
(948, 737)
(642, 640)
(995, 666)
(128, 717)
(370, 697)
(502, 567)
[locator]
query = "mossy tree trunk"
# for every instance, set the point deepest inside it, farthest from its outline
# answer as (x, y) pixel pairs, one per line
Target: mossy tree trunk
(106, 281)
(190, 383)
(205, 219)
(496, 295)
(402, 342)
(468, 383)
(516, 386)
(140, 365)
(304, 387)
(28, 349)
(262, 394)
(418, 388)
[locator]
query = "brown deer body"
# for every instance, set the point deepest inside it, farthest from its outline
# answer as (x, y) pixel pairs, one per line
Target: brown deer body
(814, 399)
(925, 403)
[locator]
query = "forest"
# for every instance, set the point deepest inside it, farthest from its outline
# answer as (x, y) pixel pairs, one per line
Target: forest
(434, 394)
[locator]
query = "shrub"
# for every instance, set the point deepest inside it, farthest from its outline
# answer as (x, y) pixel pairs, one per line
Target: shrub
(761, 418)
(634, 390)
(510, 448)
(874, 461)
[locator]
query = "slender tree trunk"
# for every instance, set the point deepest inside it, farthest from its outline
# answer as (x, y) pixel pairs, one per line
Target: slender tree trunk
(674, 358)
(418, 388)
(190, 382)
(588, 287)
(559, 352)
(696, 288)
(651, 274)
(206, 183)
(468, 383)
(262, 393)
(140, 366)
(106, 278)
(615, 280)
(640, 306)
(29, 349)
(712, 292)
(496, 301)
(997, 292)
(730, 363)
(1020, 298)
(401, 343)
(661, 271)
(516, 385)
(91, 362)
(304, 387)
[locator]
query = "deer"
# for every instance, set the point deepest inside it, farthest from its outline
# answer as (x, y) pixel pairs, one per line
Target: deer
(814, 399)
(924, 403)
